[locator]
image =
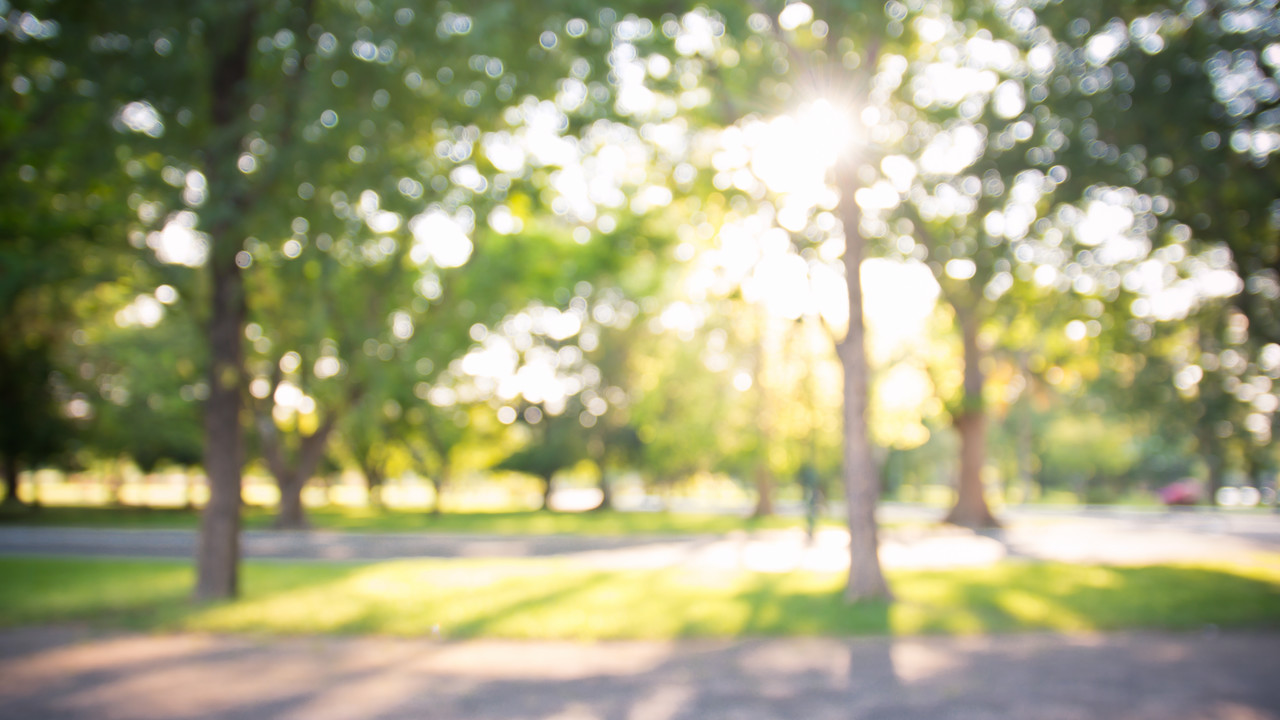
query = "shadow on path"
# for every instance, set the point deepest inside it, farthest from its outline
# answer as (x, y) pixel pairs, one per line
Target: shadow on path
(62, 673)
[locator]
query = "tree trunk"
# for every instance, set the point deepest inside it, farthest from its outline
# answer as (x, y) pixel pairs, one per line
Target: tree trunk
(606, 492)
(291, 515)
(1024, 462)
(1025, 440)
(438, 483)
(1025, 454)
(373, 484)
(11, 481)
(115, 483)
(971, 508)
(291, 479)
(764, 426)
(862, 486)
(548, 487)
(218, 551)
(764, 492)
(1214, 462)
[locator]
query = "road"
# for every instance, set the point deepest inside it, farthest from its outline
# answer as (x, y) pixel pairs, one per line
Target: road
(1107, 537)
(70, 674)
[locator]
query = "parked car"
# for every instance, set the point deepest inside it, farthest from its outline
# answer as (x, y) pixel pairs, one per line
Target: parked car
(1182, 492)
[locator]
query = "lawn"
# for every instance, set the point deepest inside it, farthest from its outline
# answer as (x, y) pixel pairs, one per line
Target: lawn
(553, 599)
(368, 519)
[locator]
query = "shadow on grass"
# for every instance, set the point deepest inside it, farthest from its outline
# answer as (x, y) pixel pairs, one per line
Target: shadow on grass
(804, 604)
(376, 520)
(130, 594)
(129, 517)
(551, 599)
(561, 598)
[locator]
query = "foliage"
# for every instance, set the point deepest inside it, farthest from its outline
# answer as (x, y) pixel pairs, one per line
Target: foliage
(447, 220)
(556, 443)
(142, 379)
(59, 207)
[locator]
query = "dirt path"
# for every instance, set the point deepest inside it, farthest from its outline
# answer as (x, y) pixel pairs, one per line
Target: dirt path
(71, 674)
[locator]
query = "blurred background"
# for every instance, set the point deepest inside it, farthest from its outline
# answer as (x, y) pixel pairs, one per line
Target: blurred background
(569, 255)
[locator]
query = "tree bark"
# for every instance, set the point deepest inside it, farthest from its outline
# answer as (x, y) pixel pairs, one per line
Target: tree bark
(764, 481)
(764, 492)
(218, 550)
(606, 492)
(438, 480)
(373, 484)
(291, 514)
(1215, 481)
(548, 487)
(11, 481)
(1025, 470)
(1209, 449)
(862, 486)
(115, 483)
(438, 483)
(292, 478)
(1025, 439)
(970, 422)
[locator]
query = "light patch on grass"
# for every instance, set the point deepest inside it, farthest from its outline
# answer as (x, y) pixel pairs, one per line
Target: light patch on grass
(549, 598)
(1036, 610)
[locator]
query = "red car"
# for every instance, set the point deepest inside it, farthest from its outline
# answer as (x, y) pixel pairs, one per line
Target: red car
(1183, 492)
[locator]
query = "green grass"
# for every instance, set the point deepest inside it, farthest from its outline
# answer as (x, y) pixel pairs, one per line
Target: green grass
(359, 519)
(554, 599)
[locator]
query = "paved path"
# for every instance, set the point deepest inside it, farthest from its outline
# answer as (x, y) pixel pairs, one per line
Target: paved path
(70, 674)
(1083, 537)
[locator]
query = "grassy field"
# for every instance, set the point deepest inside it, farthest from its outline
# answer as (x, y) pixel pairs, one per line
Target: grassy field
(362, 519)
(553, 599)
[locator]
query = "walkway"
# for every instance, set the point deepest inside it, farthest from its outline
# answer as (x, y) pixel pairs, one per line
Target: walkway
(71, 675)
(1080, 537)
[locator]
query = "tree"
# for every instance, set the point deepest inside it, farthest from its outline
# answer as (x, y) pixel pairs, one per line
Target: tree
(1023, 167)
(556, 443)
(435, 440)
(1174, 103)
(56, 181)
(830, 65)
(1187, 112)
(251, 108)
(862, 487)
(230, 36)
(687, 418)
(406, 218)
(137, 364)
(38, 433)
(612, 441)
